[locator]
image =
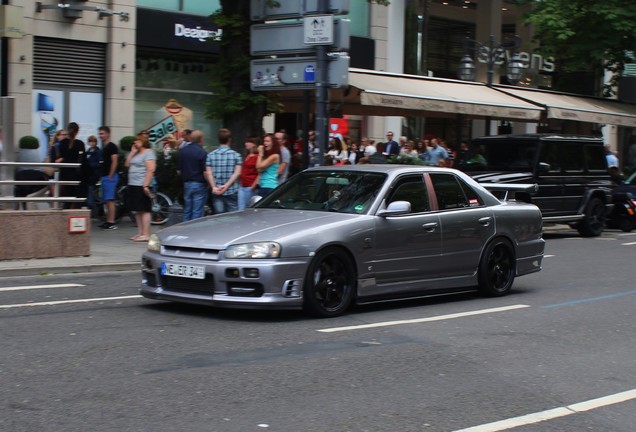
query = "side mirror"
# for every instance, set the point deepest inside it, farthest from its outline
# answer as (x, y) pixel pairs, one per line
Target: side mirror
(544, 167)
(396, 208)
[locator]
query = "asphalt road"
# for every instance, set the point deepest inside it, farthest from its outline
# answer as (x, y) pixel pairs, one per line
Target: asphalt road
(561, 347)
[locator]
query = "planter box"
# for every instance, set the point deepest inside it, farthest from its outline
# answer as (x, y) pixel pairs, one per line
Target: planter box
(44, 234)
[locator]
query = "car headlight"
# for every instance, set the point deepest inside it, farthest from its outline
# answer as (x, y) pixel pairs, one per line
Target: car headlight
(253, 250)
(154, 245)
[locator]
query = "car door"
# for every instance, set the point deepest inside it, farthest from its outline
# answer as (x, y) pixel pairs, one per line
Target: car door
(407, 246)
(466, 223)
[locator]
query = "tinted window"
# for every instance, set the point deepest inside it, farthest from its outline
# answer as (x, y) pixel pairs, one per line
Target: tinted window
(451, 193)
(595, 158)
(413, 190)
(550, 155)
(572, 159)
(501, 156)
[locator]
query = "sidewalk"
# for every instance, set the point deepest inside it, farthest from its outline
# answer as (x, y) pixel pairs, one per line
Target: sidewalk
(110, 251)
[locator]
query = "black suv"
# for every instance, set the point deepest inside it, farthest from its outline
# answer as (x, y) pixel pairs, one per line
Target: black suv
(571, 171)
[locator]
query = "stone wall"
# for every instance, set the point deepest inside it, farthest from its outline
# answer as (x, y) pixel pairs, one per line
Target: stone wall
(42, 234)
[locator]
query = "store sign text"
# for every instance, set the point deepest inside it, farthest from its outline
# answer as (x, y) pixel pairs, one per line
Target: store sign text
(532, 61)
(196, 33)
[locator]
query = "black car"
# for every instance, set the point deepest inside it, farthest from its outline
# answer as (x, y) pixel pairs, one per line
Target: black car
(571, 171)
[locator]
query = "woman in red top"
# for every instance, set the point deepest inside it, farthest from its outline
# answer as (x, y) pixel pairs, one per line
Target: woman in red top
(249, 173)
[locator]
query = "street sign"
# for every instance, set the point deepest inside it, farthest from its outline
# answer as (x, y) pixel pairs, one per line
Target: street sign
(296, 73)
(318, 30)
(260, 11)
(288, 38)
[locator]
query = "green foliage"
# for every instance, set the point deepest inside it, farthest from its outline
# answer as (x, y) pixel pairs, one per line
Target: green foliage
(583, 34)
(125, 144)
(405, 160)
(29, 142)
(168, 181)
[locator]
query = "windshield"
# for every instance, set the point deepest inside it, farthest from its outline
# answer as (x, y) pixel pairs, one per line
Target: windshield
(500, 156)
(337, 191)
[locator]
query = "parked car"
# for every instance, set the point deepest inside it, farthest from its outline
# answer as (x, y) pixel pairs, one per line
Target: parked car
(571, 171)
(333, 236)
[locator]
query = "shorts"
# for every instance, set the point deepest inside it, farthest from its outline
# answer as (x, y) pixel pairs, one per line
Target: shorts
(109, 187)
(137, 199)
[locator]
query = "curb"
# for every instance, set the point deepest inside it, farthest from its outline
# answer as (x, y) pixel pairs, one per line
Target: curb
(87, 268)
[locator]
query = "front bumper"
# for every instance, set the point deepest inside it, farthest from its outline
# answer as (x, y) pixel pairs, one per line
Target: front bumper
(245, 284)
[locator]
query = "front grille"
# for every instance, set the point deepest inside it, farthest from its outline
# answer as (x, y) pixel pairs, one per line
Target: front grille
(192, 253)
(189, 286)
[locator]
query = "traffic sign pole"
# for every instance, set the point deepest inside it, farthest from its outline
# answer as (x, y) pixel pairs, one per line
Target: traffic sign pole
(322, 94)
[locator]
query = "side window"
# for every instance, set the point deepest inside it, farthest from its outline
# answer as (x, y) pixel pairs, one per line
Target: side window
(550, 155)
(573, 157)
(413, 190)
(450, 193)
(595, 158)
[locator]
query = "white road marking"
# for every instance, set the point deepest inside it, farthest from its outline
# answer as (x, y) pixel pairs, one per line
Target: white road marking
(32, 287)
(628, 244)
(553, 413)
(422, 320)
(548, 256)
(52, 303)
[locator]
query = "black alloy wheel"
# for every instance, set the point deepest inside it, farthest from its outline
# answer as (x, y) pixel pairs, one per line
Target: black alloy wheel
(497, 268)
(329, 284)
(594, 222)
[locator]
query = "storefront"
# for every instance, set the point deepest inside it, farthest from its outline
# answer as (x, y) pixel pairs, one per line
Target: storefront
(174, 54)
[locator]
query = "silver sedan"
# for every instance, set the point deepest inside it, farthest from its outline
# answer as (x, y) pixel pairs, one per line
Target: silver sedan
(333, 236)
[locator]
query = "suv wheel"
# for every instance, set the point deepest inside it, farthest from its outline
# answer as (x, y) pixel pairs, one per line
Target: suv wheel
(592, 225)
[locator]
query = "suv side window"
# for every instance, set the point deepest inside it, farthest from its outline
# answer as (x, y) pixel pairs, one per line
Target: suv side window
(550, 154)
(572, 157)
(595, 158)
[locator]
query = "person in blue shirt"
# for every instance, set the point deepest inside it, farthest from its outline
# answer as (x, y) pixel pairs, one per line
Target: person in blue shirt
(191, 167)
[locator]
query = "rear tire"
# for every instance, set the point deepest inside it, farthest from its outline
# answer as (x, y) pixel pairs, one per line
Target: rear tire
(594, 222)
(497, 269)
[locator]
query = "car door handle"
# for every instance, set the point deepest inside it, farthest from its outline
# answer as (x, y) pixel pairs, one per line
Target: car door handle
(430, 227)
(485, 221)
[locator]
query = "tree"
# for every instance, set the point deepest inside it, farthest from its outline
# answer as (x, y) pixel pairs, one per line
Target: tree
(241, 109)
(585, 34)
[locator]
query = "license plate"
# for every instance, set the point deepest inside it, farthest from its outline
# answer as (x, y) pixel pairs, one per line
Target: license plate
(182, 270)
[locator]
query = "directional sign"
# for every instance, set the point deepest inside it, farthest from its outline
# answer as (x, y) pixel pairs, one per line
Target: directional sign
(296, 73)
(260, 11)
(319, 30)
(288, 38)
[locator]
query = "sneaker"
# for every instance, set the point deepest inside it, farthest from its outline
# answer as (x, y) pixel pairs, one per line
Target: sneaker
(103, 226)
(109, 226)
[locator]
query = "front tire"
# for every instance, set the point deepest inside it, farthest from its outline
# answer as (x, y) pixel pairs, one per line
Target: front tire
(594, 222)
(497, 269)
(329, 284)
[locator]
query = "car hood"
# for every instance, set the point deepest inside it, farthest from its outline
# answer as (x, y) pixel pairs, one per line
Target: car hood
(250, 225)
(502, 177)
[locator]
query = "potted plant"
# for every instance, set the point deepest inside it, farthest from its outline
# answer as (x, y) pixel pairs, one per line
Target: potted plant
(29, 150)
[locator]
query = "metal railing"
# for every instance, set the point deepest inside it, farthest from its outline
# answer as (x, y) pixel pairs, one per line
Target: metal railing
(55, 199)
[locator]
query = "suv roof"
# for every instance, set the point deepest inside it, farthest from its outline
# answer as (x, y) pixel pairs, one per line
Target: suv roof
(543, 137)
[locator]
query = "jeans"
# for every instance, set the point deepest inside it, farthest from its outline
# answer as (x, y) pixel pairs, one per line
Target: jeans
(225, 203)
(194, 196)
(244, 195)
